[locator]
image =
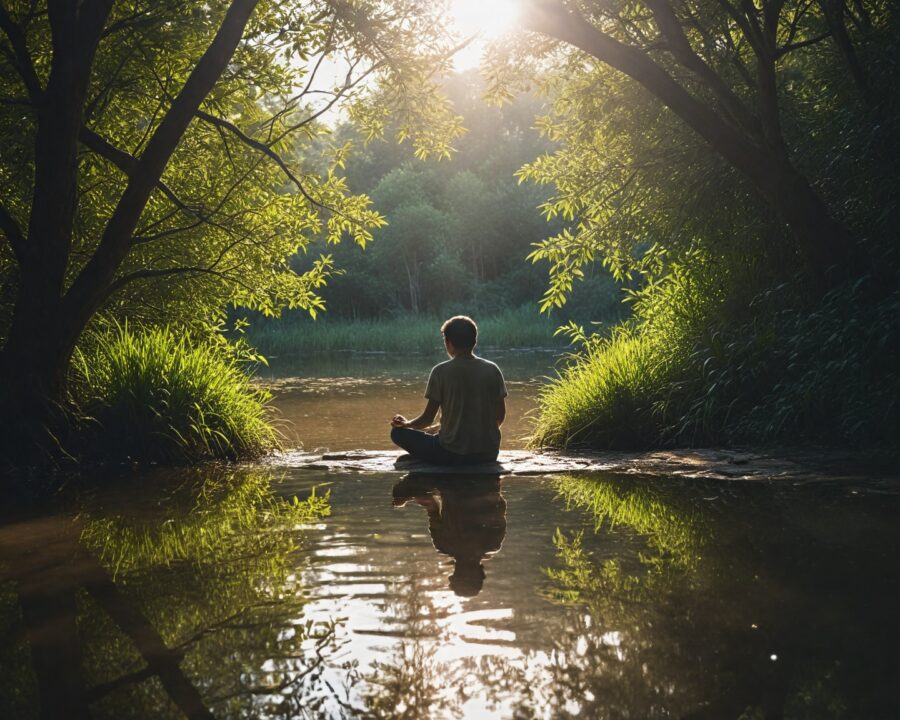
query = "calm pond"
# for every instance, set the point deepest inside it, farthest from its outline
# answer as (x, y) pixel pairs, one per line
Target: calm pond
(224, 592)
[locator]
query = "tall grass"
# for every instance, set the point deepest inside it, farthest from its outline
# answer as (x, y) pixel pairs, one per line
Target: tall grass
(154, 396)
(522, 327)
(682, 374)
(612, 393)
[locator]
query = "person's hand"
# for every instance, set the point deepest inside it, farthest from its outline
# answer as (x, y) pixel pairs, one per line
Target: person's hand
(399, 421)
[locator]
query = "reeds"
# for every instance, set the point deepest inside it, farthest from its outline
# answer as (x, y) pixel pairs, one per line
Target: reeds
(522, 327)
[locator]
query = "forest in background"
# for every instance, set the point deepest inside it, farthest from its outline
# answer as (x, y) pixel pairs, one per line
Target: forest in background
(458, 234)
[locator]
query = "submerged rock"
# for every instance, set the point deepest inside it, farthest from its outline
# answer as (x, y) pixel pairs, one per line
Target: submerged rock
(713, 464)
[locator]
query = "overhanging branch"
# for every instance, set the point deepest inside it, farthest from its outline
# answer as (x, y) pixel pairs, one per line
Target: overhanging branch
(13, 232)
(263, 148)
(128, 164)
(21, 56)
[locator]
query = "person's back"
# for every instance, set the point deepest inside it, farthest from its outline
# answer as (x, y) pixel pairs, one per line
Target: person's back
(468, 388)
(470, 394)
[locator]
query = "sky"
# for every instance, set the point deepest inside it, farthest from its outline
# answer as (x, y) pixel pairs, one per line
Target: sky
(484, 20)
(488, 19)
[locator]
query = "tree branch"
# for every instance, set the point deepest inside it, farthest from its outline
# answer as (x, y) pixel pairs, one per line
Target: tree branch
(23, 62)
(148, 273)
(263, 148)
(128, 164)
(92, 284)
(13, 232)
(548, 17)
(785, 49)
(681, 48)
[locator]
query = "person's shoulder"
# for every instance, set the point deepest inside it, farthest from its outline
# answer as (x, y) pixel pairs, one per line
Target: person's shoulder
(441, 366)
(488, 363)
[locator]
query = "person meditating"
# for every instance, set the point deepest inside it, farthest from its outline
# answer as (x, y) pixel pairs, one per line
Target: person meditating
(470, 393)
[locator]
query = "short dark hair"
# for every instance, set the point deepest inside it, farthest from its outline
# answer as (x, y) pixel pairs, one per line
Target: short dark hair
(461, 331)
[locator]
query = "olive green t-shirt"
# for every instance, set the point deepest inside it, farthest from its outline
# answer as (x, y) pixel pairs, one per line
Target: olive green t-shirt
(468, 389)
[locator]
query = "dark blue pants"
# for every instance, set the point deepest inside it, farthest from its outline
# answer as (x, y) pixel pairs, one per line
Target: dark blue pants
(424, 446)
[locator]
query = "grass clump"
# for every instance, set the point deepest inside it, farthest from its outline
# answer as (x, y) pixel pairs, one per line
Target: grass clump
(690, 370)
(521, 327)
(154, 396)
(610, 393)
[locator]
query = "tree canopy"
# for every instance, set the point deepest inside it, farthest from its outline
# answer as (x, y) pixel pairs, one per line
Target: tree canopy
(144, 157)
(696, 122)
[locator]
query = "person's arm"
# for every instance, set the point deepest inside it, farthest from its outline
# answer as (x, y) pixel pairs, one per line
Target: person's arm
(419, 423)
(501, 401)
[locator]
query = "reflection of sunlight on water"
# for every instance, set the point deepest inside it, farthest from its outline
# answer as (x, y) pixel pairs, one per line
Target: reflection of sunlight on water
(418, 624)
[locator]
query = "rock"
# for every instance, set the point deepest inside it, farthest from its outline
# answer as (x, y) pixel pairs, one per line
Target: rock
(711, 464)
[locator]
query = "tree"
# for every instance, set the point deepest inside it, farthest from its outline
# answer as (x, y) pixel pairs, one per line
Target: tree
(729, 72)
(143, 143)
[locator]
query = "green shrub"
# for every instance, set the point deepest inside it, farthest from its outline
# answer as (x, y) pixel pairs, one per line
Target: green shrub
(154, 396)
(685, 373)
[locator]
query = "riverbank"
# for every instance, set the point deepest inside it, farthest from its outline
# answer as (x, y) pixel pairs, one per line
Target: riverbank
(523, 327)
(790, 465)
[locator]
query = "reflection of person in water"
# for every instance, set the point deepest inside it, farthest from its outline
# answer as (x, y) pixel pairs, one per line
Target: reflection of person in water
(466, 518)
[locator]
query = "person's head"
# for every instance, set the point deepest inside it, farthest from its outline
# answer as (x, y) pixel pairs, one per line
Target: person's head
(468, 577)
(460, 334)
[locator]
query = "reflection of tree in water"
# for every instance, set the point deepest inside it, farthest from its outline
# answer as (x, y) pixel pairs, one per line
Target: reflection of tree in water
(411, 684)
(188, 609)
(466, 519)
(723, 608)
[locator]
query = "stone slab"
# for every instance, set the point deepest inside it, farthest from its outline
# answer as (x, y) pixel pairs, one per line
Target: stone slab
(695, 463)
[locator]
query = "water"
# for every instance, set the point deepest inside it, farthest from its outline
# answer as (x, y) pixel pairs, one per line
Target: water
(171, 593)
(345, 401)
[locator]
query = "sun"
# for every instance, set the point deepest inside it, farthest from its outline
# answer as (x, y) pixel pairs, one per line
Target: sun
(487, 18)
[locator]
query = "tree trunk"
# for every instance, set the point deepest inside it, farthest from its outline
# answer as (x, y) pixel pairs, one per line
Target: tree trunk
(32, 401)
(33, 365)
(49, 319)
(826, 246)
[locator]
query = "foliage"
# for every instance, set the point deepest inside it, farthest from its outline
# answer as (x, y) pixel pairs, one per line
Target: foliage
(402, 334)
(456, 230)
(685, 372)
(158, 395)
(735, 336)
(163, 160)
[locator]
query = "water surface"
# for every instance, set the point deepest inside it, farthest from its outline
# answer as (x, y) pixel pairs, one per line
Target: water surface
(259, 592)
(344, 401)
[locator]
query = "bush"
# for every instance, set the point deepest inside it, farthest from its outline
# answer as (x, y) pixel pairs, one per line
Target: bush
(153, 396)
(684, 373)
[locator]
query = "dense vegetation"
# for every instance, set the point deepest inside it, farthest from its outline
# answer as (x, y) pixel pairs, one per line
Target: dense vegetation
(521, 328)
(731, 167)
(156, 396)
(740, 163)
(163, 159)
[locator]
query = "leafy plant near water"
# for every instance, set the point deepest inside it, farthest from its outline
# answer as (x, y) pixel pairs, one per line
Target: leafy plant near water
(611, 392)
(155, 396)
(690, 370)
